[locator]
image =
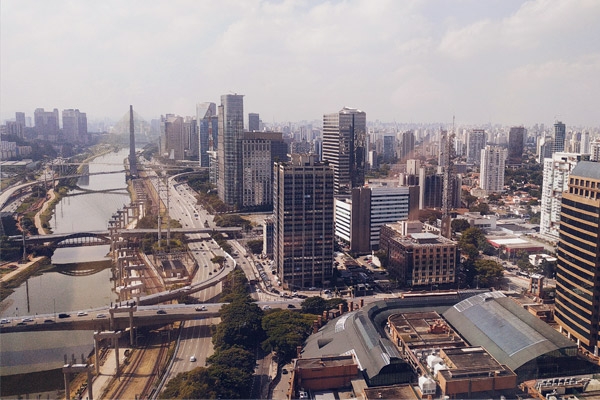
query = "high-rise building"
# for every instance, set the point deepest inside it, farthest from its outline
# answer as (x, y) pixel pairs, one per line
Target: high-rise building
(595, 151)
(577, 308)
(516, 142)
(476, 140)
(46, 124)
(491, 177)
(389, 148)
(231, 132)
(253, 122)
(259, 151)
(303, 227)
(558, 139)
(556, 180)
(344, 147)
(407, 145)
(359, 217)
(74, 126)
(191, 138)
(208, 128)
(172, 139)
(16, 127)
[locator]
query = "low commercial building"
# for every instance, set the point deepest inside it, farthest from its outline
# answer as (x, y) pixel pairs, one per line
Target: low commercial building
(513, 245)
(514, 337)
(419, 259)
(324, 373)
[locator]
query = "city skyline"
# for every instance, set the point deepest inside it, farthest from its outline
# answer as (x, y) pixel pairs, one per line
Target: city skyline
(507, 62)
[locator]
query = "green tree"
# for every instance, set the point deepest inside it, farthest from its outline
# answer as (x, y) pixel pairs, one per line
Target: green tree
(255, 246)
(471, 241)
(285, 330)
(234, 357)
(460, 225)
(489, 272)
(194, 384)
(314, 305)
(240, 325)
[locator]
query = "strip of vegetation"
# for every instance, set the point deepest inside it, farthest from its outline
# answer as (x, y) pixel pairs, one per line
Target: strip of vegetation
(243, 327)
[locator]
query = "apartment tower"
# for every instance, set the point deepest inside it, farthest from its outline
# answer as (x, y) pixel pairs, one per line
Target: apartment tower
(491, 177)
(557, 170)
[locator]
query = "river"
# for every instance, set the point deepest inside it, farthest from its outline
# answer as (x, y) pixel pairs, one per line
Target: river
(78, 280)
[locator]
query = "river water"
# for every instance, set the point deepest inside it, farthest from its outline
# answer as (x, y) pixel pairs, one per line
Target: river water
(79, 279)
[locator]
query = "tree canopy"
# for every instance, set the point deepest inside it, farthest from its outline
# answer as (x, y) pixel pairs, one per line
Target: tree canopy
(285, 330)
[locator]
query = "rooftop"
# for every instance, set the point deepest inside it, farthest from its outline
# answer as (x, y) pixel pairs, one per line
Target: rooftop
(587, 169)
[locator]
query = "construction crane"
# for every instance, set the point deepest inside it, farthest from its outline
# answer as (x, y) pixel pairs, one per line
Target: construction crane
(447, 164)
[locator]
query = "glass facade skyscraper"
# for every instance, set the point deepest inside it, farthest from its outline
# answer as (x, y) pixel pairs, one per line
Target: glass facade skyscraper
(231, 133)
(344, 147)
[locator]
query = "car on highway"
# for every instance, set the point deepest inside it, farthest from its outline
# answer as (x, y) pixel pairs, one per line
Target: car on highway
(100, 315)
(193, 359)
(48, 321)
(4, 321)
(291, 306)
(64, 315)
(202, 308)
(266, 307)
(27, 319)
(81, 314)
(161, 312)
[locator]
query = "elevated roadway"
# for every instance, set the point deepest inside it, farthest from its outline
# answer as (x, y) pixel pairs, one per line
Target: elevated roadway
(101, 319)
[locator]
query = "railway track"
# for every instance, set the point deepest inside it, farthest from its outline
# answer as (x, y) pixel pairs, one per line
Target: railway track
(142, 372)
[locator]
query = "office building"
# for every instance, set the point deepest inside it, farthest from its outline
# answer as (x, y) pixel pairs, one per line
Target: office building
(46, 124)
(253, 122)
(344, 147)
(407, 145)
(476, 141)
(557, 170)
(208, 128)
(389, 148)
(231, 132)
(516, 142)
(259, 151)
(558, 139)
(419, 259)
(303, 222)
(577, 310)
(191, 139)
(74, 126)
(172, 142)
(359, 217)
(491, 177)
(413, 166)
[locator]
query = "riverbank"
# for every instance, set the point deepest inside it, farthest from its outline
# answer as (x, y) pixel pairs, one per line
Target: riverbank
(41, 218)
(19, 275)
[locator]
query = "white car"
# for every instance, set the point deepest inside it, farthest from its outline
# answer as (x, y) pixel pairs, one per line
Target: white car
(81, 314)
(266, 307)
(100, 315)
(193, 359)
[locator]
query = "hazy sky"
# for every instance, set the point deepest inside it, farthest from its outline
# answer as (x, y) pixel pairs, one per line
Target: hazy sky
(499, 61)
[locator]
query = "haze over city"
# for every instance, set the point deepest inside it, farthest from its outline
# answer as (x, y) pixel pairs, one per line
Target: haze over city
(509, 62)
